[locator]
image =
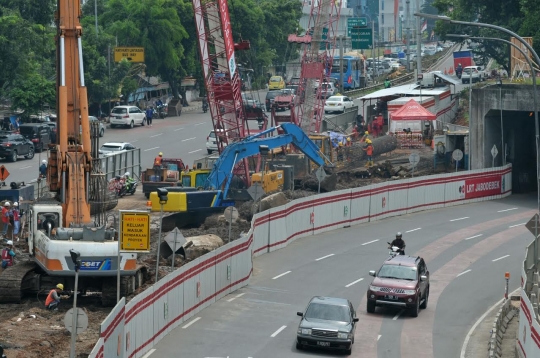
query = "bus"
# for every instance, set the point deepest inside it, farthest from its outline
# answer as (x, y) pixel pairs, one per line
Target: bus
(352, 71)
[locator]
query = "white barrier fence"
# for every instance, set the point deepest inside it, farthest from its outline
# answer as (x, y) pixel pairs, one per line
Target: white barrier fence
(528, 336)
(132, 328)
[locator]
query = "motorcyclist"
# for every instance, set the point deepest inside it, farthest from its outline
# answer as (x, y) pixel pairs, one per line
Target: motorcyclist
(459, 70)
(399, 242)
(204, 104)
(129, 181)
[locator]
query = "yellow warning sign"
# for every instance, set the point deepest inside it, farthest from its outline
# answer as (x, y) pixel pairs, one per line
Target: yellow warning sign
(135, 231)
(132, 54)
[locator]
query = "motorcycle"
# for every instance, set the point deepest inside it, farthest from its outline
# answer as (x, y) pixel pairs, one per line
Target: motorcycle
(394, 250)
(127, 188)
(162, 111)
(205, 106)
(458, 73)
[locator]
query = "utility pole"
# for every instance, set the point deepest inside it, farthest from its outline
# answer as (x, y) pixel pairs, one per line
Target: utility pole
(95, 16)
(408, 33)
(418, 40)
(341, 90)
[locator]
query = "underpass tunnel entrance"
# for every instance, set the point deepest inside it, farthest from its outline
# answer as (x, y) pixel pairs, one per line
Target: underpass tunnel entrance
(519, 141)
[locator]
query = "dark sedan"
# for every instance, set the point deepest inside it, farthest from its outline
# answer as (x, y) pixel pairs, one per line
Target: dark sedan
(14, 145)
(328, 323)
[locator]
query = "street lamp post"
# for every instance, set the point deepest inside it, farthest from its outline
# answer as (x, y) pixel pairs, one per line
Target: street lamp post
(536, 59)
(499, 83)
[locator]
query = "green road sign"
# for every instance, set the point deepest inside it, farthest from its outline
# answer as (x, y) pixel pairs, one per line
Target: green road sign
(324, 38)
(361, 39)
(355, 22)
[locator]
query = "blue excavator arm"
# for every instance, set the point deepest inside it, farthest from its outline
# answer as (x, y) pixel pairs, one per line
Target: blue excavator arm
(222, 171)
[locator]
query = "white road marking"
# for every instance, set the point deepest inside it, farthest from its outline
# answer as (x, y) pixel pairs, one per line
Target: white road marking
(369, 242)
(473, 237)
(198, 124)
(283, 274)
(418, 228)
(500, 258)
(379, 337)
(149, 353)
(475, 325)
(178, 129)
(133, 141)
(156, 135)
(146, 150)
(277, 332)
(397, 316)
(195, 151)
(352, 283)
(235, 297)
(190, 323)
(185, 140)
(516, 225)
(463, 273)
(32, 181)
(502, 211)
(322, 258)
(463, 218)
(26, 167)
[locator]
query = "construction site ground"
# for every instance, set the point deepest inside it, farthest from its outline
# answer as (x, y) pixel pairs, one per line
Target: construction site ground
(28, 330)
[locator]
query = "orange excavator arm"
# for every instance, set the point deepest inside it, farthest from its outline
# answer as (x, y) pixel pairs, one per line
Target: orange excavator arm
(70, 159)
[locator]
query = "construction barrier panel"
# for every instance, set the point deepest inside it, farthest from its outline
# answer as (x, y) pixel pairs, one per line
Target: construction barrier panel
(528, 335)
(181, 294)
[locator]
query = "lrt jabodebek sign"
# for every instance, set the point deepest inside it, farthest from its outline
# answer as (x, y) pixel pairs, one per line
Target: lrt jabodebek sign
(227, 35)
(135, 231)
(481, 187)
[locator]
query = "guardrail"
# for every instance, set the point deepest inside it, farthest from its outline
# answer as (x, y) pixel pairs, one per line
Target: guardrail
(528, 337)
(132, 328)
(366, 90)
(504, 316)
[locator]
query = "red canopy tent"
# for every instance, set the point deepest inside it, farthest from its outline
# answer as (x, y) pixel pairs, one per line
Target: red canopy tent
(412, 110)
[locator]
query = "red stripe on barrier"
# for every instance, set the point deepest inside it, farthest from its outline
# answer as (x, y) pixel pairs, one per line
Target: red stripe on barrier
(522, 350)
(535, 336)
(188, 311)
(115, 322)
(185, 276)
(526, 311)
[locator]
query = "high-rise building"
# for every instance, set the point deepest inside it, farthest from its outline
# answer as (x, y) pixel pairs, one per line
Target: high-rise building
(393, 19)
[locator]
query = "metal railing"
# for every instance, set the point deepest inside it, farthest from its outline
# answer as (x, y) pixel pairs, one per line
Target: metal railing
(366, 90)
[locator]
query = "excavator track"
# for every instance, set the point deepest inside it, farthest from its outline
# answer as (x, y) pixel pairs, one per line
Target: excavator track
(13, 281)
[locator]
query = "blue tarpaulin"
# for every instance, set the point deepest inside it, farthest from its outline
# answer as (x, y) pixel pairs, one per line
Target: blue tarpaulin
(336, 138)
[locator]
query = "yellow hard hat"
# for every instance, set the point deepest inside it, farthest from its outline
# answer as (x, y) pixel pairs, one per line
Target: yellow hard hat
(340, 144)
(348, 139)
(368, 141)
(366, 133)
(160, 154)
(60, 286)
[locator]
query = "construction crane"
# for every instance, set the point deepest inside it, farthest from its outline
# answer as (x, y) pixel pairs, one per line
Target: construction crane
(57, 227)
(316, 57)
(221, 75)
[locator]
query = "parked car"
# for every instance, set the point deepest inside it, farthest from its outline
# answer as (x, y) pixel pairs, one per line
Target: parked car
(101, 126)
(402, 281)
(37, 133)
(14, 145)
(327, 322)
(328, 89)
(276, 83)
(127, 116)
(269, 100)
(482, 73)
(470, 74)
(249, 101)
(284, 100)
(115, 147)
(293, 88)
(211, 142)
(53, 126)
(294, 81)
(338, 104)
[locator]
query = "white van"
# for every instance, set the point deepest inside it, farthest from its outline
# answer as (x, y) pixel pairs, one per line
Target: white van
(470, 74)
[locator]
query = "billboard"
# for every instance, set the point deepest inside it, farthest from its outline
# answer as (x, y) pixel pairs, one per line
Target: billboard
(518, 62)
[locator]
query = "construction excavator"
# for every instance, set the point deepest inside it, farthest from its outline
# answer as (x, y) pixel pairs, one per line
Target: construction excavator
(65, 224)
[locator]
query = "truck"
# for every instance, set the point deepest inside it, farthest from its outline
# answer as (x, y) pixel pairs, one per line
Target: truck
(62, 227)
(194, 206)
(169, 175)
(464, 58)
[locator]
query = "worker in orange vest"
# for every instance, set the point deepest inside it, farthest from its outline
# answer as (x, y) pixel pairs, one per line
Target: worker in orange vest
(369, 152)
(348, 145)
(378, 125)
(53, 299)
(158, 161)
(365, 137)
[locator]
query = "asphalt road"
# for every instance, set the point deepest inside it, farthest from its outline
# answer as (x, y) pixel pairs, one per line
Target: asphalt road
(467, 249)
(177, 137)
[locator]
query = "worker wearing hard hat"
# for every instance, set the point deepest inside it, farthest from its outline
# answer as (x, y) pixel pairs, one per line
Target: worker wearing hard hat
(369, 152)
(53, 299)
(158, 162)
(8, 255)
(16, 215)
(6, 213)
(365, 137)
(43, 169)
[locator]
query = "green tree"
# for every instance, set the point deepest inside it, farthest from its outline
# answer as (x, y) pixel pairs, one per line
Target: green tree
(30, 91)
(34, 11)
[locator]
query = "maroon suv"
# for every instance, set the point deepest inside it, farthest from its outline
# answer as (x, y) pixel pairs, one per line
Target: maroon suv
(402, 281)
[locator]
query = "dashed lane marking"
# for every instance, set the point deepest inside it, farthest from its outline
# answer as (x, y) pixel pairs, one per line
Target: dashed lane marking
(198, 124)
(190, 323)
(283, 274)
(502, 211)
(511, 226)
(463, 273)
(473, 237)
(324, 257)
(26, 167)
(397, 316)
(277, 332)
(235, 297)
(185, 140)
(149, 353)
(418, 228)
(500, 258)
(463, 218)
(149, 149)
(352, 283)
(178, 129)
(369, 242)
(379, 337)
(195, 151)
(156, 135)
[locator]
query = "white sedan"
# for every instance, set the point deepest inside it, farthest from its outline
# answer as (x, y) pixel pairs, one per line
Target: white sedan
(338, 104)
